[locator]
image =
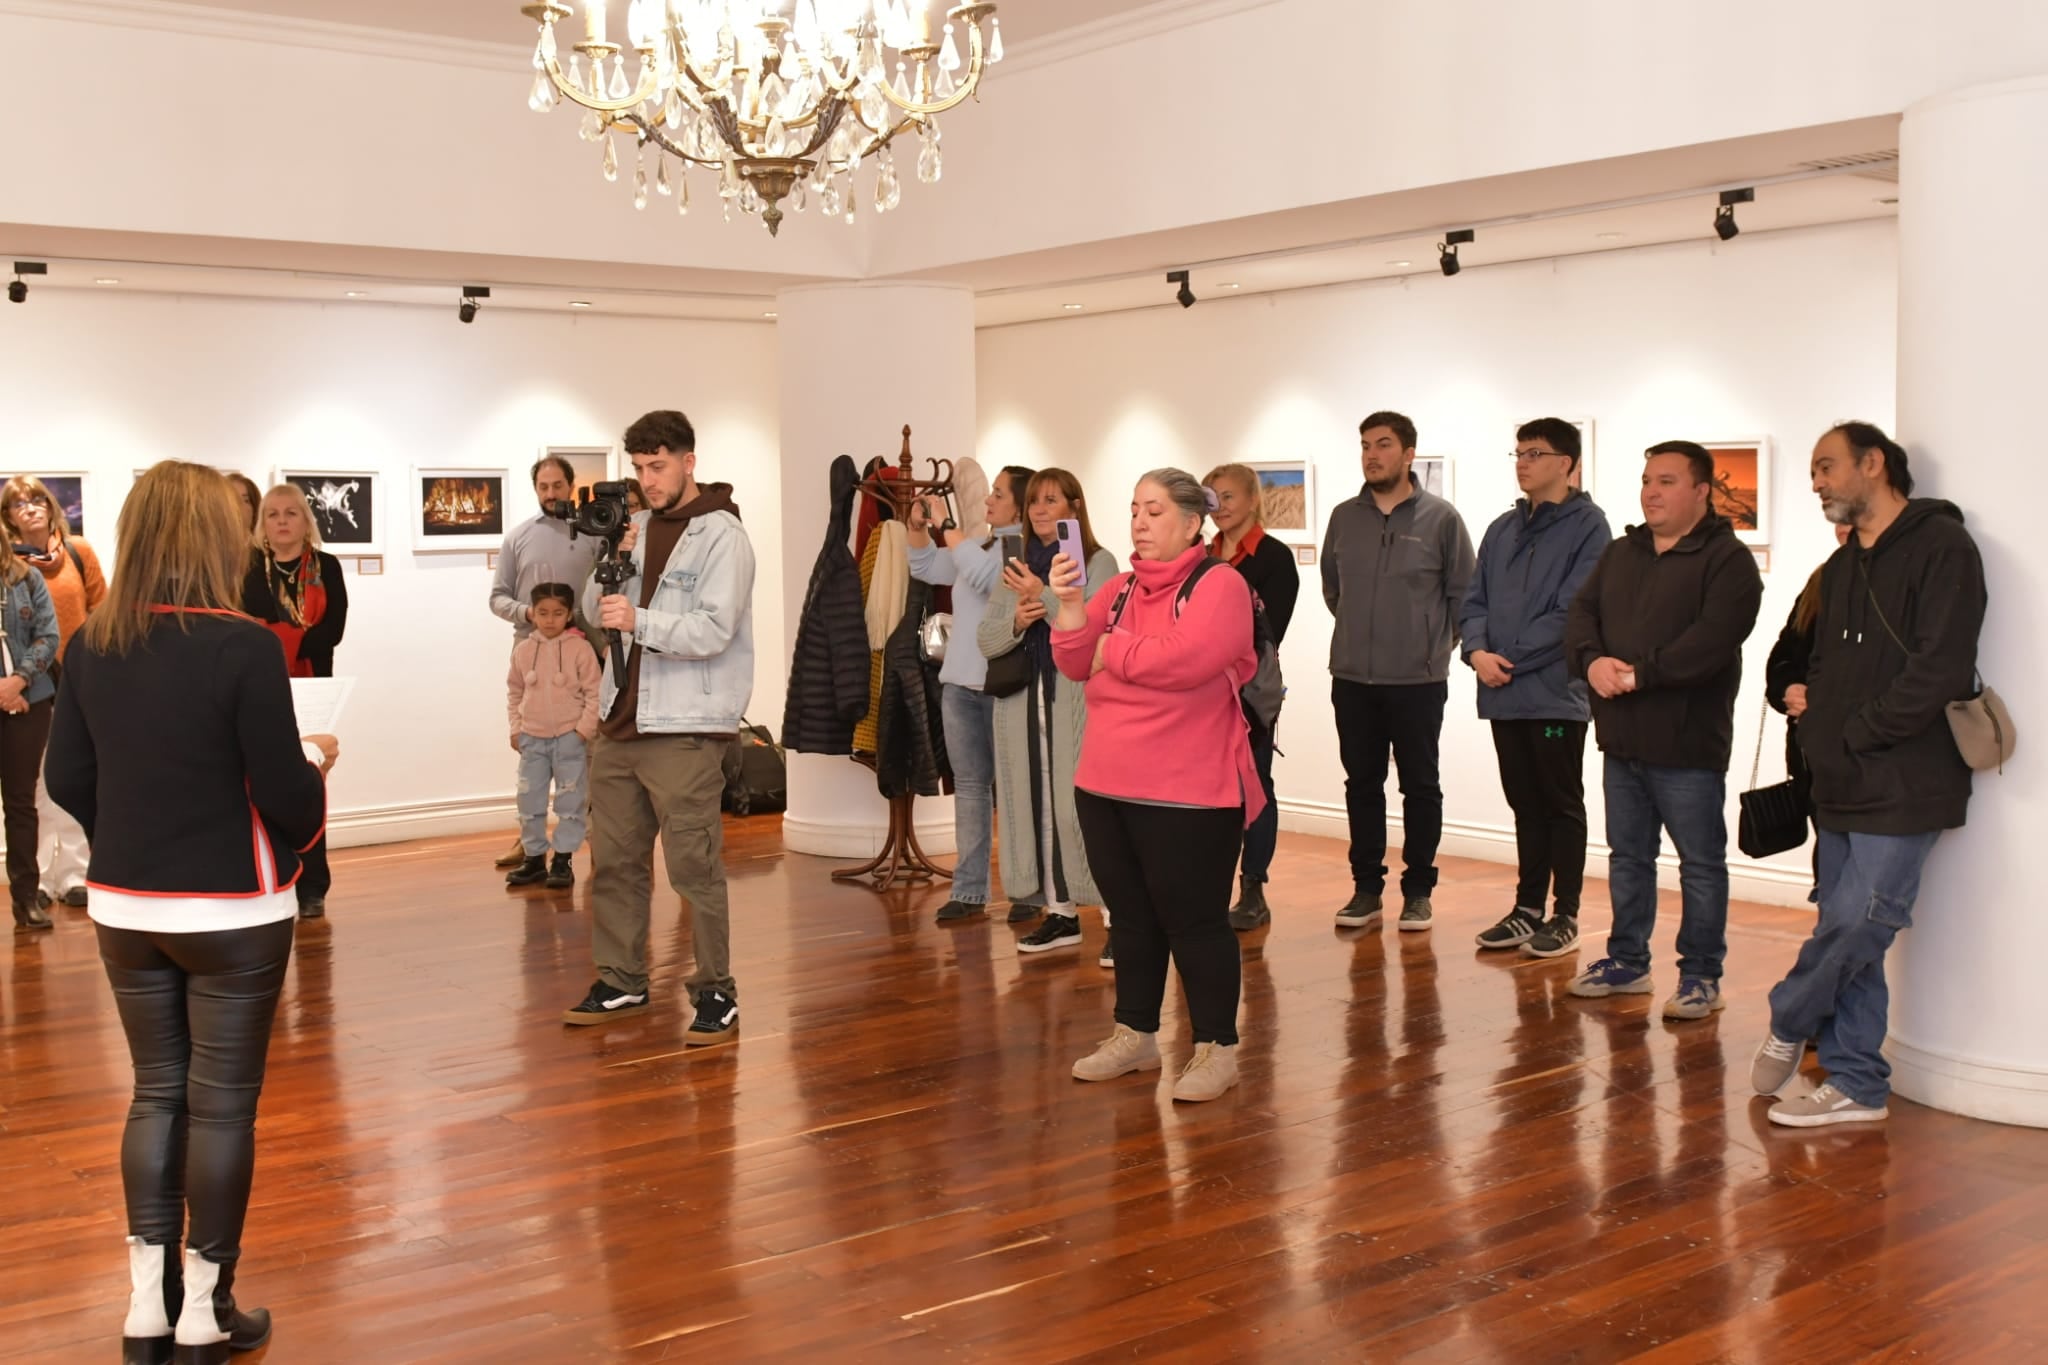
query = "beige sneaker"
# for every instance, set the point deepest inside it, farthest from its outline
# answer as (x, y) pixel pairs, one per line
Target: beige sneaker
(1210, 1072)
(1125, 1050)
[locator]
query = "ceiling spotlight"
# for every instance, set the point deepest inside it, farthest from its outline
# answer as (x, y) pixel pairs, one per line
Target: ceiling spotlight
(1073, 307)
(579, 303)
(1231, 285)
(1400, 265)
(106, 279)
(1447, 250)
(17, 291)
(466, 310)
(1185, 295)
(1610, 236)
(771, 315)
(356, 294)
(1725, 226)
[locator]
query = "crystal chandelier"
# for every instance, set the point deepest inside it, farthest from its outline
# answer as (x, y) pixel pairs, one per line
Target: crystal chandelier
(782, 107)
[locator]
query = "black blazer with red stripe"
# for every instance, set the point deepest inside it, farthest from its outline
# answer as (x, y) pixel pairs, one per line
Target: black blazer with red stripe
(181, 759)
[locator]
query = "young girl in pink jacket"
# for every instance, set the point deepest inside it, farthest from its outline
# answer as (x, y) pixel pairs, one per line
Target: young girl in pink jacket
(1166, 782)
(551, 702)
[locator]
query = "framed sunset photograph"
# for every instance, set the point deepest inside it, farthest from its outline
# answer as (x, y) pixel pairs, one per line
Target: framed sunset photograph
(1742, 485)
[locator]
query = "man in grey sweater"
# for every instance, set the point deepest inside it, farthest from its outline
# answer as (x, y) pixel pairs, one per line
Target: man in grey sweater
(539, 550)
(1397, 562)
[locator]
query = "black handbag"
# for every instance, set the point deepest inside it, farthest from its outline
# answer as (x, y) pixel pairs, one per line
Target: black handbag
(1773, 818)
(1008, 674)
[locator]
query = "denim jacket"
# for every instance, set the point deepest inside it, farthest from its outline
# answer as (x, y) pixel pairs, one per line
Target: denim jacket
(697, 672)
(30, 624)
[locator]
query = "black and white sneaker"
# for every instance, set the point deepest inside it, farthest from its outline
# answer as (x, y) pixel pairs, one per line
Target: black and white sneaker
(605, 1004)
(1058, 931)
(1517, 928)
(1556, 938)
(718, 1019)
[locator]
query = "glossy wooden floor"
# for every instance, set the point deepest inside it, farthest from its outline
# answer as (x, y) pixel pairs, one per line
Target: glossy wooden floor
(1434, 1155)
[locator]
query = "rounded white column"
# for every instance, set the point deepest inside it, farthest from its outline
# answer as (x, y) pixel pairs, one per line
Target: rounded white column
(858, 362)
(1969, 1026)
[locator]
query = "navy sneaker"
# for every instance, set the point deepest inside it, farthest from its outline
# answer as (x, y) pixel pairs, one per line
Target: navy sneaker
(1697, 998)
(1608, 977)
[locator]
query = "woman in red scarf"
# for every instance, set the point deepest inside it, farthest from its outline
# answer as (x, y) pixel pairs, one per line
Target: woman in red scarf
(296, 589)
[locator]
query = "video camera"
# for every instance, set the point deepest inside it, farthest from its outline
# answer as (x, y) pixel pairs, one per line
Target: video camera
(600, 512)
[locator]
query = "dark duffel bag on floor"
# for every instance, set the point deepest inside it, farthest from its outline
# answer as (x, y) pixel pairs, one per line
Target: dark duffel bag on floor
(756, 778)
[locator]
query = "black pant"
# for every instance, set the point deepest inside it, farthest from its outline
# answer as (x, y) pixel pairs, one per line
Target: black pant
(22, 741)
(1164, 874)
(197, 1010)
(1409, 719)
(314, 878)
(1264, 834)
(1543, 775)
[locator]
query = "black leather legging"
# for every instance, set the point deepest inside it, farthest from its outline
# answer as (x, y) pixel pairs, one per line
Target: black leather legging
(197, 1009)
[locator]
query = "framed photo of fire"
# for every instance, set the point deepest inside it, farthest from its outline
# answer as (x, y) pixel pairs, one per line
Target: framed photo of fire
(457, 509)
(344, 503)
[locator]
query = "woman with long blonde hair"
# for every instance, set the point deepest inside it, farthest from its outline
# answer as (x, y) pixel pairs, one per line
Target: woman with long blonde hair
(28, 648)
(176, 748)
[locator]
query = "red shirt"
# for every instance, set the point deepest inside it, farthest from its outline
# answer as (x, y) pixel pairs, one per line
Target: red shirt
(1244, 547)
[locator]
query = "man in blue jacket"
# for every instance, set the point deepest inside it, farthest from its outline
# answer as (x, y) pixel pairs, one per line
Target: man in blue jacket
(1532, 562)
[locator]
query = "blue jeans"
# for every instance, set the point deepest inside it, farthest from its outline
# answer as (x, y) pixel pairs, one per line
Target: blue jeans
(970, 721)
(564, 763)
(1264, 833)
(1836, 992)
(1643, 798)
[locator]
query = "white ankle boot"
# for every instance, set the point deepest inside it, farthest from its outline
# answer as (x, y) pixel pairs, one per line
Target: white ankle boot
(202, 1336)
(1125, 1050)
(1210, 1072)
(146, 1334)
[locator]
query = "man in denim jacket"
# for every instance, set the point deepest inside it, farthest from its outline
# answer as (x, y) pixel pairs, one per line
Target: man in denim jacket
(686, 619)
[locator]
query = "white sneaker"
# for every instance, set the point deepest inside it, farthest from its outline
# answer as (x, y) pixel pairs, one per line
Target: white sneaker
(1125, 1050)
(1824, 1106)
(1210, 1072)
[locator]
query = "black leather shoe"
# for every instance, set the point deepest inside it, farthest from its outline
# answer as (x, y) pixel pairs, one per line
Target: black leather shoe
(29, 916)
(561, 873)
(315, 908)
(532, 872)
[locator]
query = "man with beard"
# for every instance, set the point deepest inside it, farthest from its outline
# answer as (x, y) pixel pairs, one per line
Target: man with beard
(536, 551)
(1895, 641)
(656, 768)
(1396, 565)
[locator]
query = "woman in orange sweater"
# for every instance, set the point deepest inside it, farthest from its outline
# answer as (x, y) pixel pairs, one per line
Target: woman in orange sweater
(71, 571)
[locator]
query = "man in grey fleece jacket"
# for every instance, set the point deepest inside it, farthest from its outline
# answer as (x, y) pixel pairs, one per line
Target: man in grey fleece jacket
(1397, 562)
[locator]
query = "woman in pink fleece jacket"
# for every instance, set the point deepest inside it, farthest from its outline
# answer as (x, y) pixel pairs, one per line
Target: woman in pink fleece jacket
(1166, 782)
(551, 702)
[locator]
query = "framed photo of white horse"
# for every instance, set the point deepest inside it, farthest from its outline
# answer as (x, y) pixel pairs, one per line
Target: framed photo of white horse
(345, 507)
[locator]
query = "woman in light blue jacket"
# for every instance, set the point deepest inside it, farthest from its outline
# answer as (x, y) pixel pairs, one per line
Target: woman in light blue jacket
(28, 648)
(972, 568)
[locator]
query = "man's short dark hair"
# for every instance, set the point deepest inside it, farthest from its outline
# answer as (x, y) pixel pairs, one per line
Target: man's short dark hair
(555, 592)
(560, 462)
(1864, 437)
(1560, 435)
(1403, 429)
(1698, 456)
(659, 429)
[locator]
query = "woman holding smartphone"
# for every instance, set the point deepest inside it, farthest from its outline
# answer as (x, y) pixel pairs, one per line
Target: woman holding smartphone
(1038, 728)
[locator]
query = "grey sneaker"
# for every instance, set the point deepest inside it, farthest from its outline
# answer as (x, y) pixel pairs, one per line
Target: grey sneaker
(1696, 999)
(1824, 1106)
(1362, 911)
(1517, 927)
(1125, 1050)
(1416, 914)
(1608, 977)
(1210, 1072)
(1554, 939)
(1776, 1063)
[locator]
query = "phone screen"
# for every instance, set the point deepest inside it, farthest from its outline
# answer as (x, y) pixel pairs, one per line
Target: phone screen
(1070, 542)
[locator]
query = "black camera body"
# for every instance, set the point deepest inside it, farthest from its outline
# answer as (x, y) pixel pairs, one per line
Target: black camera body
(601, 513)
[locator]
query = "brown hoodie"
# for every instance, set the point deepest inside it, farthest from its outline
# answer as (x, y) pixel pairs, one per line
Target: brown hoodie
(664, 530)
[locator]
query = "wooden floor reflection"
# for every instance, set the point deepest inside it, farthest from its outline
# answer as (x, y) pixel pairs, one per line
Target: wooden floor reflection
(1435, 1154)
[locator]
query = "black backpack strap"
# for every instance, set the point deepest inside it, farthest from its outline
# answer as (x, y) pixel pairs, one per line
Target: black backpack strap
(1187, 585)
(77, 561)
(1123, 595)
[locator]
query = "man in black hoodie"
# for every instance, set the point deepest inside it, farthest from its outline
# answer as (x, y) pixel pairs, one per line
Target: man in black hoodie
(1895, 641)
(1657, 634)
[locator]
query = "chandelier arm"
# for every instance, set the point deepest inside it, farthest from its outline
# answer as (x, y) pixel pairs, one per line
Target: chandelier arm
(968, 84)
(650, 81)
(649, 132)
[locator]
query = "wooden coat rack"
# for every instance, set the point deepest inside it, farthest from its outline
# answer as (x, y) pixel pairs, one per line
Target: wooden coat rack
(902, 860)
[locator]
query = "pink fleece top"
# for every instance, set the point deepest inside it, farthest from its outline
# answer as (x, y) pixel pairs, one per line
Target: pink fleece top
(552, 687)
(1164, 722)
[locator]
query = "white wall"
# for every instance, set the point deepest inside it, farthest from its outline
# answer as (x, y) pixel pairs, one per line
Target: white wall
(111, 383)
(1772, 334)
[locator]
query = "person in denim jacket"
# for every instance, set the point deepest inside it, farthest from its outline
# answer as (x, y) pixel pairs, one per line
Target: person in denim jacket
(28, 648)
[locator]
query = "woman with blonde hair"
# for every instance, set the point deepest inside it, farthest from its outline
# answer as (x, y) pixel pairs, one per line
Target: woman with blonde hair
(176, 748)
(1268, 567)
(28, 648)
(42, 536)
(296, 589)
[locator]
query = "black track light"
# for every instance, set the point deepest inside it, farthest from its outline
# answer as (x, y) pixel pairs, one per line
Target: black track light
(466, 310)
(1725, 226)
(1447, 250)
(17, 290)
(1186, 295)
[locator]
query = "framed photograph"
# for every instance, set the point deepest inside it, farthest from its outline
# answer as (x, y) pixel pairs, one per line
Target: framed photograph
(344, 503)
(593, 465)
(1287, 499)
(1433, 475)
(67, 489)
(1742, 486)
(457, 509)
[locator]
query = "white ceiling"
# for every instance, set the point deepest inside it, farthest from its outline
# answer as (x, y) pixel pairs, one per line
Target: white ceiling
(500, 21)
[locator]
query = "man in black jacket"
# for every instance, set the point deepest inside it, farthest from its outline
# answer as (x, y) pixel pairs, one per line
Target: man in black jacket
(1896, 641)
(1657, 634)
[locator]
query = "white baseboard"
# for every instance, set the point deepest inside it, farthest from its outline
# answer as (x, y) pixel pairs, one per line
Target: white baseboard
(860, 839)
(422, 820)
(1978, 1090)
(1747, 880)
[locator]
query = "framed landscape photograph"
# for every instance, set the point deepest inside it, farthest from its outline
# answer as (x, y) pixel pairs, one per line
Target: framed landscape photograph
(457, 508)
(1287, 499)
(593, 465)
(1433, 475)
(344, 503)
(68, 490)
(1742, 485)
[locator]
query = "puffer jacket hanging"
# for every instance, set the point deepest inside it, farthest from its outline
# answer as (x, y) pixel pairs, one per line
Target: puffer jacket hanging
(828, 672)
(910, 740)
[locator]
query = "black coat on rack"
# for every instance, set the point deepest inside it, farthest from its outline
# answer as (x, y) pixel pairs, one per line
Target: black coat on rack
(828, 671)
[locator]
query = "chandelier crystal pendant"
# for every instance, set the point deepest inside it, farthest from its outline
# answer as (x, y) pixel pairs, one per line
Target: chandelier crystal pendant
(776, 104)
